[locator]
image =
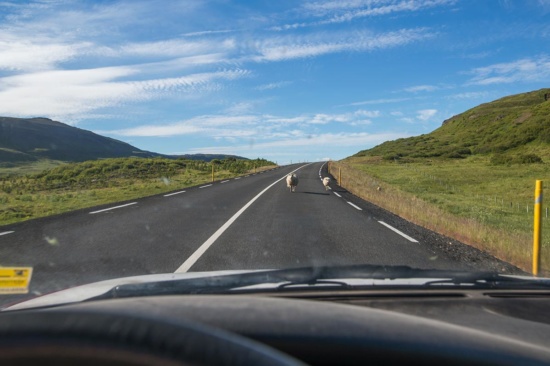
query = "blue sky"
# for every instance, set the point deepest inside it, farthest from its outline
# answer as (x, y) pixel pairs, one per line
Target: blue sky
(284, 80)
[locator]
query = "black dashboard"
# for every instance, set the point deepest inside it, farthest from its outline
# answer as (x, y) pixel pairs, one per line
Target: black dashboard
(317, 328)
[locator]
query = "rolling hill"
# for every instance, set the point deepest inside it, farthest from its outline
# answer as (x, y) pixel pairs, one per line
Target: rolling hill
(26, 140)
(31, 139)
(510, 128)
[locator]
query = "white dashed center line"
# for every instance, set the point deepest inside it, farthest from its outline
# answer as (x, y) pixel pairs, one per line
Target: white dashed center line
(399, 232)
(171, 194)
(354, 206)
(112, 208)
(202, 249)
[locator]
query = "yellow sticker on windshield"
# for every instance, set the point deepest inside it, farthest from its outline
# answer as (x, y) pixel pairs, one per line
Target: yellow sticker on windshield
(15, 280)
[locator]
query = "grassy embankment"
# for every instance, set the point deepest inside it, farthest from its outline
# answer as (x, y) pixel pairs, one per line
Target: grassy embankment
(471, 201)
(79, 185)
(472, 179)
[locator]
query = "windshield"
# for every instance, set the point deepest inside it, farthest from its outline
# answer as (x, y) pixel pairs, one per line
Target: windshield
(173, 138)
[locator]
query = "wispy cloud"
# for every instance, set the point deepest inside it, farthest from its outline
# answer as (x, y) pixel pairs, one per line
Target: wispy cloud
(275, 85)
(21, 54)
(421, 88)
(332, 11)
(378, 8)
(469, 95)
(287, 48)
(65, 94)
(377, 101)
(327, 144)
(426, 114)
(227, 125)
(523, 70)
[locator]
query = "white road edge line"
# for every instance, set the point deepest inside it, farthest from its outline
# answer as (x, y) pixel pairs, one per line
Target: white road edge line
(225, 181)
(7, 232)
(208, 185)
(355, 206)
(237, 178)
(171, 194)
(399, 232)
(112, 208)
(208, 243)
(337, 194)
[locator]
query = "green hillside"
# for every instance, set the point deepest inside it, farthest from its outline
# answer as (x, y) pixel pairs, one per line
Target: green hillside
(72, 186)
(471, 179)
(513, 129)
(31, 139)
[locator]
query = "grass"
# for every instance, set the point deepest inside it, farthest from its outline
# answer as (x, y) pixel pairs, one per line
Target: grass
(511, 126)
(24, 168)
(486, 206)
(80, 185)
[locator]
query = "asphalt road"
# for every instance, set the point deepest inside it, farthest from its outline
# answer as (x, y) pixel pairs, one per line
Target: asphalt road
(252, 222)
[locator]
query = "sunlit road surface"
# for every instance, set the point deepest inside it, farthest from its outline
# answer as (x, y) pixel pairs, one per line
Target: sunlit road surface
(253, 222)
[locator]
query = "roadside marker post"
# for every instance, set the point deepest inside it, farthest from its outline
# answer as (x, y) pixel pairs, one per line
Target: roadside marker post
(537, 227)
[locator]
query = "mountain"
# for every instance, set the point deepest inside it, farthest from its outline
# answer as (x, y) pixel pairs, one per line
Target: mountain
(209, 157)
(517, 125)
(30, 139)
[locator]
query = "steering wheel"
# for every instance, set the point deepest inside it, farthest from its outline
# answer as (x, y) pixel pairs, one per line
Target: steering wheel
(62, 337)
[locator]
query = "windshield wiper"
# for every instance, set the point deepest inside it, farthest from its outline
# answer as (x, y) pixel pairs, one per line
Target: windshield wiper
(489, 280)
(324, 276)
(309, 276)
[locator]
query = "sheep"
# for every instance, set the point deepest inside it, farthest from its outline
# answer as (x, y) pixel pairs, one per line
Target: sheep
(326, 182)
(292, 182)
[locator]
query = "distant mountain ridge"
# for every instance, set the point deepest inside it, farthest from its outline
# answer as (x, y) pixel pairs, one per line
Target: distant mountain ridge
(31, 139)
(509, 126)
(28, 139)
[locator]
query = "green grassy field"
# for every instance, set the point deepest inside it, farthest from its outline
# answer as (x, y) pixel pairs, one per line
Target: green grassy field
(79, 185)
(24, 168)
(485, 205)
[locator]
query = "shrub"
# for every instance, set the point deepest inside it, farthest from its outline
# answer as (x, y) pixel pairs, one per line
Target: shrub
(529, 159)
(501, 159)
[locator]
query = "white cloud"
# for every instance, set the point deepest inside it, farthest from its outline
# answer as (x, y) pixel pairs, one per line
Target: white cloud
(377, 101)
(378, 8)
(67, 94)
(287, 48)
(421, 88)
(345, 11)
(230, 125)
(524, 70)
(426, 114)
(314, 142)
(469, 95)
(276, 85)
(201, 124)
(20, 54)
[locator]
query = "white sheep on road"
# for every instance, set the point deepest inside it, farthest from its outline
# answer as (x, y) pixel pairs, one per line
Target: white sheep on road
(326, 182)
(292, 182)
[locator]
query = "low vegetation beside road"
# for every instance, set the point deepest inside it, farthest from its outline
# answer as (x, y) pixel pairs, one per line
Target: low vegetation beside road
(78, 185)
(470, 199)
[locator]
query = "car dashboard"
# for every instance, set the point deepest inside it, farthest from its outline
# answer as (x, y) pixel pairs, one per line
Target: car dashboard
(474, 327)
